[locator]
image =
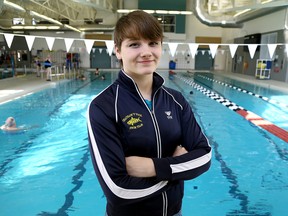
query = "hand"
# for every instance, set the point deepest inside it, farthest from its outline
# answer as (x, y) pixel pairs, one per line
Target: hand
(140, 166)
(180, 150)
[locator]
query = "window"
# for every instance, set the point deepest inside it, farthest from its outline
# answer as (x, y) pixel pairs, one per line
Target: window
(34, 21)
(168, 22)
(18, 21)
(270, 38)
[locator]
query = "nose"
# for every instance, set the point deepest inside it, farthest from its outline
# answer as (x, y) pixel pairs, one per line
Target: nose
(146, 51)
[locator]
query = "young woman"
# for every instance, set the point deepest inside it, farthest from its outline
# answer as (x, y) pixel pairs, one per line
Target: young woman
(143, 136)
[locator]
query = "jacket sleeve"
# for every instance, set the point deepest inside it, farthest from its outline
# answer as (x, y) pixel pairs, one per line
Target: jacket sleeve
(109, 160)
(198, 158)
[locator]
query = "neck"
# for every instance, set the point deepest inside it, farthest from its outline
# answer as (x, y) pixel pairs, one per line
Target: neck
(144, 84)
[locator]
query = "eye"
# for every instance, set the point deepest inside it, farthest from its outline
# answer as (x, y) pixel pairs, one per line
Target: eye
(154, 43)
(134, 45)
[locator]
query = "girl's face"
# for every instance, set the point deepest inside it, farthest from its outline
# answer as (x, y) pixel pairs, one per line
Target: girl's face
(139, 57)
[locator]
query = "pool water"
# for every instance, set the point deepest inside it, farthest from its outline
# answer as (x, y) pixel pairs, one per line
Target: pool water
(47, 170)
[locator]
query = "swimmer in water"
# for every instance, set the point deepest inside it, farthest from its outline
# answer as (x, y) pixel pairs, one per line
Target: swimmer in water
(10, 125)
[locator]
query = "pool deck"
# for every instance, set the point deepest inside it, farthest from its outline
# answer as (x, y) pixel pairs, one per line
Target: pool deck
(266, 83)
(15, 87)
(270, 84)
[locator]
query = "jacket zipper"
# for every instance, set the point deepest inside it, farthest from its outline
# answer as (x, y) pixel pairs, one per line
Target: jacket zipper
(159, 148)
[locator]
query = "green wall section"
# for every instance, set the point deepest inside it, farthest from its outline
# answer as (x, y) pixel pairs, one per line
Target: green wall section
(180, 24)
(162, 4)
(167, 5)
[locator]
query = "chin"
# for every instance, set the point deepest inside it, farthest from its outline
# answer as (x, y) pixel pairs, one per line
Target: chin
(148, 70)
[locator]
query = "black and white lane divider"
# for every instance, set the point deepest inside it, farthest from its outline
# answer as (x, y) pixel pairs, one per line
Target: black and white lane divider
(248, 115)
(213, 95)
(245, 91)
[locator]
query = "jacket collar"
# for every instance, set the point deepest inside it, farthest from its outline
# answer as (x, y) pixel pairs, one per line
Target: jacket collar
(125, 79)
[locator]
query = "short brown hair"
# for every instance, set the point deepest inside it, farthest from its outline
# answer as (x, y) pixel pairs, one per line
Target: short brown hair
(136, 25)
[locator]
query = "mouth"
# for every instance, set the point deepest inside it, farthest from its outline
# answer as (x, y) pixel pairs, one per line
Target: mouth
(146, 61)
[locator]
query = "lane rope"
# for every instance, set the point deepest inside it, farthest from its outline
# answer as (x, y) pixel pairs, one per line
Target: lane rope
(272, 101)
(248, 115)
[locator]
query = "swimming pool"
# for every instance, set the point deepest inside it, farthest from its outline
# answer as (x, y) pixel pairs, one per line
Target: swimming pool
(47, 170)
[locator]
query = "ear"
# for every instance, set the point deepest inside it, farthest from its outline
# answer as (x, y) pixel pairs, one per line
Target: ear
(117, 52)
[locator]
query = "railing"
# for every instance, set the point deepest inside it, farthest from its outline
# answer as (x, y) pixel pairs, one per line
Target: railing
(57, 71)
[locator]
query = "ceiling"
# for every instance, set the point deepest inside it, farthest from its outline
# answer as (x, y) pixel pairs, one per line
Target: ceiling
(96, 14)
(233, 13)
(101, 15)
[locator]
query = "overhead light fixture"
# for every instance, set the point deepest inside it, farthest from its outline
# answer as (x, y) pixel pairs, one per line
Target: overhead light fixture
(157, 11)
(41, 27)
(34, 27)
(33, 13)
(174, 12)
(53, 27)
(20, 27)
(149, 11)
(186, 12)
(161, 11)
(71, 27)
(18, 32)
(29, 27)
(97, 29)
(267, 1)
(124, 11)
(241, 12)
(16, 6)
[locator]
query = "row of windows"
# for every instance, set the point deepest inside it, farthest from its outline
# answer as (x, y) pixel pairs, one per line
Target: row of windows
(168, 22)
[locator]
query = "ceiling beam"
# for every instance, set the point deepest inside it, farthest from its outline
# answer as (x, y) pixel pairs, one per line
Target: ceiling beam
(253, 5)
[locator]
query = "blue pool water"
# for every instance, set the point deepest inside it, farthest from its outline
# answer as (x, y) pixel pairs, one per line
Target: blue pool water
(47, 169)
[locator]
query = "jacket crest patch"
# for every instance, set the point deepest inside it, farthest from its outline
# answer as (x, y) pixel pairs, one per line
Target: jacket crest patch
(133, 120)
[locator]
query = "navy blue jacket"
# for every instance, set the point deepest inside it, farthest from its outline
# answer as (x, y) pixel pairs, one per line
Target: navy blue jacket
(120, 124)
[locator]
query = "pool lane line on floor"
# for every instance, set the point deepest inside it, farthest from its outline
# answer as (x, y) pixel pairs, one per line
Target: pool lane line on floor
(248, 115)
(245, 91)
(77, 182)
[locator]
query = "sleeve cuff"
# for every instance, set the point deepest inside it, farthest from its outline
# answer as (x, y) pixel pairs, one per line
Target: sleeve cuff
(162, 168)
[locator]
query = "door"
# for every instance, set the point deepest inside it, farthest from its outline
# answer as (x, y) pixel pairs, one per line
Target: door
(203, 60)
(99, 58)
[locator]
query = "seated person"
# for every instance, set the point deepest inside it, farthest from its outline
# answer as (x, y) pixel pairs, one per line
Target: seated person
(10, 125)
(81, 77)
(97, 71)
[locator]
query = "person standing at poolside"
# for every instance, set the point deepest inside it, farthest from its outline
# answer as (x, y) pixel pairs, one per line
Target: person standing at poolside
(143, 136)
(38, 66)
(48, 65)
